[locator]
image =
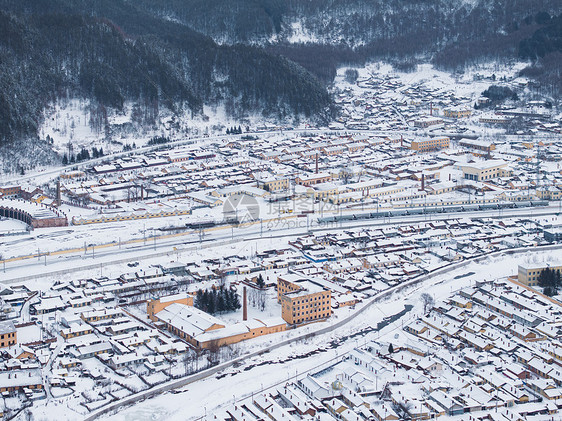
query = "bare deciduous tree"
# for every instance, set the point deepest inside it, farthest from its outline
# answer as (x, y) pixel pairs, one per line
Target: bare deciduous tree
(427, 301)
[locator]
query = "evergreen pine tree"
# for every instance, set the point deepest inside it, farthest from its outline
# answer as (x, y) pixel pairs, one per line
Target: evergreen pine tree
(212, 304)
(260, 282)
(199, 300)
(235, 301)
(221, 305)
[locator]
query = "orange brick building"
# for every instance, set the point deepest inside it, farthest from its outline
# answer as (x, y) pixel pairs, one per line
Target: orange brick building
(8, 334)
(159, 304)
(432, 144)
(302, 300)
(203, 330)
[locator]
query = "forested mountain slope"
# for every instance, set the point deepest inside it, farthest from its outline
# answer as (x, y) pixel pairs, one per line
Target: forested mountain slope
(111, 52)
(270, 57)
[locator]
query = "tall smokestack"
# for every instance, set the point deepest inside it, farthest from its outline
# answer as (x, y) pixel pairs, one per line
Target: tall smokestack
(58, 193)
(401, 141)
(244, 305)
(317, 162)
(431, 108)
(423, 182)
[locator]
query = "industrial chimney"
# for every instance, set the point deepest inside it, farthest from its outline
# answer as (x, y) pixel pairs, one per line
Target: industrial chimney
(59, 201)
(244, 305)
(317, 162)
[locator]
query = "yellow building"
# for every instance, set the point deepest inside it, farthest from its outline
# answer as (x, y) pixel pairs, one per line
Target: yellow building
(38, 198)
(494, 119)
(355, 147)
(322, 191)
(302, 300)
(159, 304)
(432, 144)
(478, 147)
(457, 112)
(427, 121)
(14, 380)
(76, 330)
(8, 334)
(72, 174)
(549, 193)
(273, 183)
(529, 274)
(10, 191)
(333, 150)
(100, 314)
(313, 179)
(485, 170)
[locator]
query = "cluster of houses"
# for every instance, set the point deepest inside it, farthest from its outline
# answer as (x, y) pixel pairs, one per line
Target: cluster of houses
(343, 171)
(175, 173)
(364, 261)
(387, 102)
(138, 329)
(488, 352)
(384, 102)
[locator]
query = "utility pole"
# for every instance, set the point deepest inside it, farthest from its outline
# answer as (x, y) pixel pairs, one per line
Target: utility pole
(538, 169)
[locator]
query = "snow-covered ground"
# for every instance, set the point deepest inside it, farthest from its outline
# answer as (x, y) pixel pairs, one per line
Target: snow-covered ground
(72, 124)
(214, 394)
(133, 242)
(12, 226)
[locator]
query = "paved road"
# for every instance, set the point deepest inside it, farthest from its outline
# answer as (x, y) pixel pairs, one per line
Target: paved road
(47, 369)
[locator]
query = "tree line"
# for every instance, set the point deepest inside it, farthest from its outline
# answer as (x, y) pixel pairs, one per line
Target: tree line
(220, 300)
(234, 130)
(550, 280)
